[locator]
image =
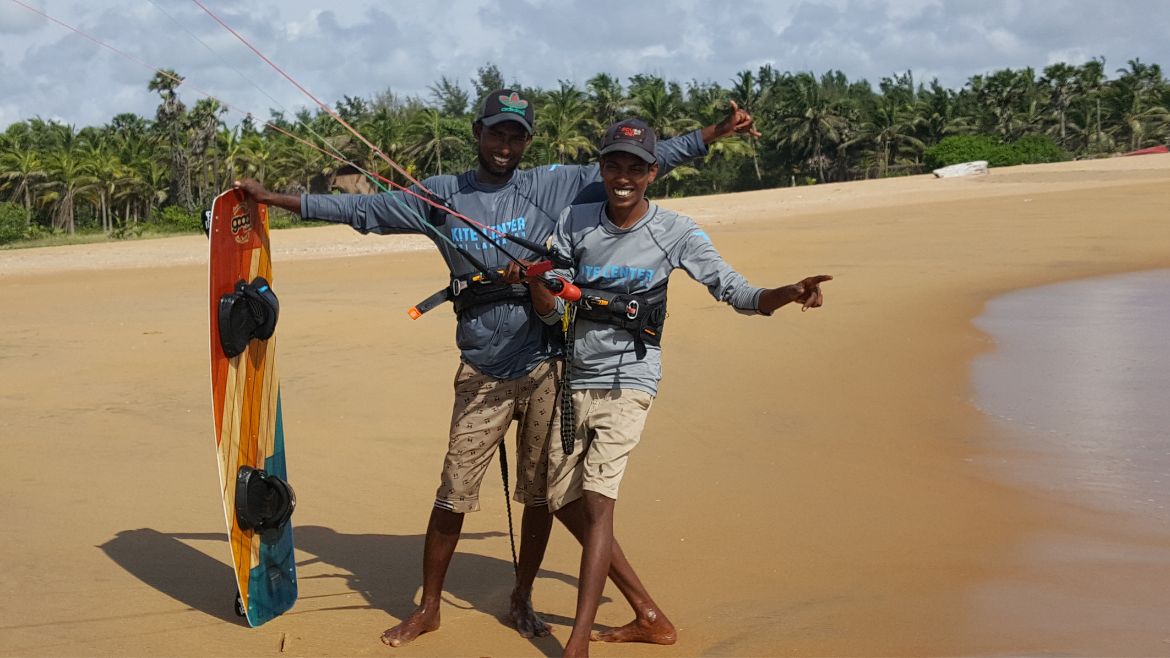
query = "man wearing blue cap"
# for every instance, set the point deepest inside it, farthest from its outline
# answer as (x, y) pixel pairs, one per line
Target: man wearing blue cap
(509, 361)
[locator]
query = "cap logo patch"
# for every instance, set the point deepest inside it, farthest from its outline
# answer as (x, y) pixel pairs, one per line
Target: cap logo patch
(630, 132)
(513, 103)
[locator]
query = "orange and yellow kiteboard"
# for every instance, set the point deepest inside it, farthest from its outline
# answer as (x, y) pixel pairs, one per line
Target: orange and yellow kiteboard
(249, 434)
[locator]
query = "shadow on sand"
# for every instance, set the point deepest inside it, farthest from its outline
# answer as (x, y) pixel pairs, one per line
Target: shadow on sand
(183, 573)
(385, 569)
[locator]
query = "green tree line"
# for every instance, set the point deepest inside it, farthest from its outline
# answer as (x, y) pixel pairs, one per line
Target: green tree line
(137, 173)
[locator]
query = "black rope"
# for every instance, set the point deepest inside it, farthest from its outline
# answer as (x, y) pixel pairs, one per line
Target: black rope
(568, 422)
(508, 503)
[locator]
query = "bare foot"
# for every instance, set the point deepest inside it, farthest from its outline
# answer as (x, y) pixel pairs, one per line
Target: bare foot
(578, 650)
(420, 621)
(651, 626)
(524, 618)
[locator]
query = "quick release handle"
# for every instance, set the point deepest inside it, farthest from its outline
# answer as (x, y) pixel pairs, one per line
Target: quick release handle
(563, 288)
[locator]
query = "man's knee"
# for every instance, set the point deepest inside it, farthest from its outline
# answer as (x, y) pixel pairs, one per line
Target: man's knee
(445, 518)
(597, 507)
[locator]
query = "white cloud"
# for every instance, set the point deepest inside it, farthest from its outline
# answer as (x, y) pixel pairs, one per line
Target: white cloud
(362, 47)
(15, 19)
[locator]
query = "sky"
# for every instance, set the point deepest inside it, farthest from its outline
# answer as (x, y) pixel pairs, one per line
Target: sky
(363, 48)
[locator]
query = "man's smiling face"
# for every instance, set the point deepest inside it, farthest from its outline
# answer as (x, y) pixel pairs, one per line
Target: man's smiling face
(626, 177)
(501, 147)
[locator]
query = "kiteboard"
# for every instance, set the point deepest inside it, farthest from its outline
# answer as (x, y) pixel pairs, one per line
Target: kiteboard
(249, 433)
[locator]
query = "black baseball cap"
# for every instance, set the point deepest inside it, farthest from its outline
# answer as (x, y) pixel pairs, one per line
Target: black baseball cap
(630, 136)
(506, 105)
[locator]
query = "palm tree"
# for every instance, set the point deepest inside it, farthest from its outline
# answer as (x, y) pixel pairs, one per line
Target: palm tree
(387, 129)
(157, 181)
(1089, 83)
(810, 125)
(107, 171)
(133, 192)
(1134, 100)
(1004, 94)
(565, 117)
(936, 114)
(256, 155)
(606, 99)
(20, 170)
(729, 150)
(660, 107)
(69, 179)
(452, 98)
(169, 122)
(1060, 80)
(890, 131)
(227, 150)
(203, 127)
(749, 93)
(431, 139)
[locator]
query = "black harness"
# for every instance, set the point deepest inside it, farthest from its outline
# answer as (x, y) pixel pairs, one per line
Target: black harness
(471, 290)
(643, 315)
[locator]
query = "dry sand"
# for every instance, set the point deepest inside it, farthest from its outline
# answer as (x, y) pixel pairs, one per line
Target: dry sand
(810, 484)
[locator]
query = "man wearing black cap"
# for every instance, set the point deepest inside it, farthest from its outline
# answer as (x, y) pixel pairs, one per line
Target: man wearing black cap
(509, 362)
(624, 250)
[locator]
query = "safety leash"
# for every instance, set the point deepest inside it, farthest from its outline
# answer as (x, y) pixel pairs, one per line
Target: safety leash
(508, 503)
(568, 422)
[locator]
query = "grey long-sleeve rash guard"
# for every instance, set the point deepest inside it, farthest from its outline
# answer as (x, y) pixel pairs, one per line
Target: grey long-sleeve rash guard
(634, 260)
(504, 339)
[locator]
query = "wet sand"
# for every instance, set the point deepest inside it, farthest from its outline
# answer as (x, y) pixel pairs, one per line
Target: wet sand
(1077, 386)
(815, 483)
(1081, 372)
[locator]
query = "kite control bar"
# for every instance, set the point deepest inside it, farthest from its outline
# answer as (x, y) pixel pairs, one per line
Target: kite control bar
(559, 286)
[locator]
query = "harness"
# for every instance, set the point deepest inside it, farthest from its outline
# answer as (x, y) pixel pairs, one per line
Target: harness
(484, 287)
(469, 291)
(643, 314)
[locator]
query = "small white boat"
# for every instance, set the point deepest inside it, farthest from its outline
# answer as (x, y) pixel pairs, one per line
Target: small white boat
(975, 168)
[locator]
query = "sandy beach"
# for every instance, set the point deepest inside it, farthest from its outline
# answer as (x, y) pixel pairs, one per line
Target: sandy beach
(809, 484)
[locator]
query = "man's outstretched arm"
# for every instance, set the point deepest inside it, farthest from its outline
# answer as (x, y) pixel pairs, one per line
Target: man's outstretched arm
(392, 212)
(261, 194)
(737, 122)
(674, 152)
(565, 182)
(807, 291)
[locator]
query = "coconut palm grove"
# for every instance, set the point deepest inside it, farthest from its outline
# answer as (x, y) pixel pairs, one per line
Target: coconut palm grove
(140, 175)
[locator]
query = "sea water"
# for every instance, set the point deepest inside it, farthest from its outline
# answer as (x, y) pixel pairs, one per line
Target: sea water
(1080, 381)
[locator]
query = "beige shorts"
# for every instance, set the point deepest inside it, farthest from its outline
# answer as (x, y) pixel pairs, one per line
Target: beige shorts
(609, 425)
(484, 409)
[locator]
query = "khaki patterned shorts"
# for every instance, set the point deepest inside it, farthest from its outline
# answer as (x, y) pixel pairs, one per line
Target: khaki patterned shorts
(484, 409)
(609, 425)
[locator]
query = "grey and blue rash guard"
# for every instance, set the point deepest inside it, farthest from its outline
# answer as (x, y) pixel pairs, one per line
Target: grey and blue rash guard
(634, 260)
(504, 339)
